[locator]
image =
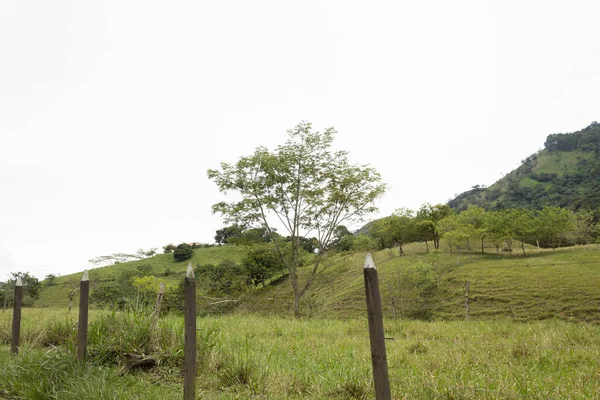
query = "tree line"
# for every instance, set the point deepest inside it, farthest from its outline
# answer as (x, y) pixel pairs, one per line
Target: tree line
(475, 227)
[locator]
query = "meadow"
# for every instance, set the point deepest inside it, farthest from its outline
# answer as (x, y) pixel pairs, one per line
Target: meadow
(532, 333)
(242, 356)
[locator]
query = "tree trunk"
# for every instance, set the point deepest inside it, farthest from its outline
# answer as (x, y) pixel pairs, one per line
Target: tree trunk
(523, 248)
(427, 246)
(400, 251)
(482, 246)
(297, 305)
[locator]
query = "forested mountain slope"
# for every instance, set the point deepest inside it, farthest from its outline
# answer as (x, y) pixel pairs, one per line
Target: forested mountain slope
(566, 173)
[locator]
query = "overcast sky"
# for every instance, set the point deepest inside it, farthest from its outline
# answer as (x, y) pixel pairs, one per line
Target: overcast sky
(112, 111)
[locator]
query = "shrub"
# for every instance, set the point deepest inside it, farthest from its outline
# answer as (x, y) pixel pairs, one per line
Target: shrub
(183, 252)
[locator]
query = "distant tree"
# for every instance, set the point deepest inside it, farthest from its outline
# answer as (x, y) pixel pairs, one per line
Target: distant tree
(224, 235)
(554, 224)
(117, 258)
(499, 228)
(141, 253)
(339, 232)
(458, 233)
(403, 228)
(428, 217)
(252, 236)
(183, 252)
(346, 243)
(523, 225)
(169, 248)
(31, 288)
(585, 228)
(474, 216)
(50, 279)
(364, 243)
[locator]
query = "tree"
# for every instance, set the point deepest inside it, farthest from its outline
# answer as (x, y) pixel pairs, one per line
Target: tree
(339, 232)
(31, 288)
(169, 248)
(117, 258)
(260, 263)
(396, 230)
(428, 217)
(183, 252)
(584, 226)
(554, 223)
(403, 228)
(50, 279)
(302, 186)
(499, 228)
(523, 226)
(225, 234)
(474, 216)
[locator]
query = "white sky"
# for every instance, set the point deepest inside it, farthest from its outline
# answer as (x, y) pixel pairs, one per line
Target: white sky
(112, 111)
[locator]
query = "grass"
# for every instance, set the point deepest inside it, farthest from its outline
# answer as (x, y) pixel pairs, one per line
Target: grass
(242, 357)
(562, 284)
(56, 295)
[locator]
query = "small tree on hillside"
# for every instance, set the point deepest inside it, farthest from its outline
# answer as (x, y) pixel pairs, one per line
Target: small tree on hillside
(183, 252)
(584, 226)
(305, 187)
(428, 218)
(554, 224)
(31, 288)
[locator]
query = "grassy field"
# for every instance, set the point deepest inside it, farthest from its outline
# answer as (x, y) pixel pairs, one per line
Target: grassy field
(562, 284)
(242, 357)
(532, 333)
(56, 295)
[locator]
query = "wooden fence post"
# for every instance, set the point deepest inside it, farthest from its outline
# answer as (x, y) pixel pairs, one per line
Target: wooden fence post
(82, 330)
(467, 286)
(16, 321)
(189, 360)
(159, 298)
(376, 334)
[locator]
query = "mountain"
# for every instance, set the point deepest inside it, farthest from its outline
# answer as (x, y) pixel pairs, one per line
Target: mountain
(566, 173)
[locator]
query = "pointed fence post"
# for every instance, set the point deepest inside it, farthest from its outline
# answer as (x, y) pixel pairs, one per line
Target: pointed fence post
(376, 334)
(82, 330)
(16, 321)
(159, 299)
(189, 360)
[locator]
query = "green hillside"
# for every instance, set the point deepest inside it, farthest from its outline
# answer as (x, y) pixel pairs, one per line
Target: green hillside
(546, 284)
(162, 266)
(565, 174)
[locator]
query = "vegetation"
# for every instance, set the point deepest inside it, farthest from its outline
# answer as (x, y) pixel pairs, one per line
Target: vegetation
(242, 357)
(563, 174)
(183, 252)
(31, 289)
(304, 186)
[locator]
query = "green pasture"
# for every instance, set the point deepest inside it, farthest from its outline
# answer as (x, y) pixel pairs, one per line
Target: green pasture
(243, 357)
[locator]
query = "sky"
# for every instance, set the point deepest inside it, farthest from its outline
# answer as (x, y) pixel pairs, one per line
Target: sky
(112, 111)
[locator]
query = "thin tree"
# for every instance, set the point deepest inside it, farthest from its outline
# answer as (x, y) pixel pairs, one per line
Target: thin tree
(304, 187)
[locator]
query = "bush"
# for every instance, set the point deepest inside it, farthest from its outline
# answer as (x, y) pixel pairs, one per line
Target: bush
(183, 252)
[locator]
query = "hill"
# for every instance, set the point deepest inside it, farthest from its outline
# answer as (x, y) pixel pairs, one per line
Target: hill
(546, 284)
(565, 174)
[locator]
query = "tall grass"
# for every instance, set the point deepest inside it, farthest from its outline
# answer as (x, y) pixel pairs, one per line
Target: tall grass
(242, 357)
